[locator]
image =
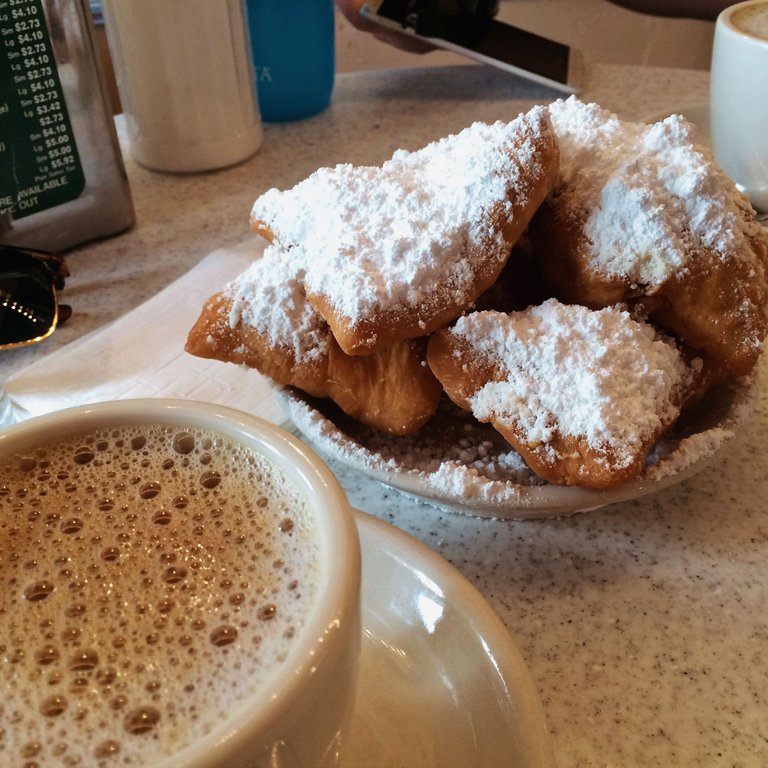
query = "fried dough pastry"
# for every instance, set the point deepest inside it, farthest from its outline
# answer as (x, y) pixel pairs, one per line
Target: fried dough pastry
(642, 215)
(397, 251)
(581, 394)
(262, 320)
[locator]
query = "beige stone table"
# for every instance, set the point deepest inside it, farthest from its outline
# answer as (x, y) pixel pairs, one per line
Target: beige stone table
(643, 624)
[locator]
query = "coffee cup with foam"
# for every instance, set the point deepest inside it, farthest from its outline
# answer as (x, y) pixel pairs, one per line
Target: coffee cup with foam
(181, 587)
(738, 103)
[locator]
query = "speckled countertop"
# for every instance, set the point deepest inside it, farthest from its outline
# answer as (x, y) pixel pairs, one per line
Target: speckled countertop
(644, 625)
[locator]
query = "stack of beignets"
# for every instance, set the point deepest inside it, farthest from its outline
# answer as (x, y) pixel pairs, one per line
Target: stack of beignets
(364, 261)
(641, 266)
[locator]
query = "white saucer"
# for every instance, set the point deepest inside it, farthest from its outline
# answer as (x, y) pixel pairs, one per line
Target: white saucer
(442, 683)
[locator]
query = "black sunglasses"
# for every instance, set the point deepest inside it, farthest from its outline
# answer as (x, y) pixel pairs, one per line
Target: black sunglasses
(29, 302)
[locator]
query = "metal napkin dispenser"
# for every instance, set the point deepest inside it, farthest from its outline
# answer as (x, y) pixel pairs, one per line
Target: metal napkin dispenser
(62, 179)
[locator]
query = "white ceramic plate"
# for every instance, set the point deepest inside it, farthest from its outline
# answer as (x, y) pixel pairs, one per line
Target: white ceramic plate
(442, 683)
(456, 463)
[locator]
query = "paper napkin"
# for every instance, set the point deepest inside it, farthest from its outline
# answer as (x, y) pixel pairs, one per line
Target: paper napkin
(142, 354)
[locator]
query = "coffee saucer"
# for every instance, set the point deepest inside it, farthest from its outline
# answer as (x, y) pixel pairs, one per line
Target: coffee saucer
(441, 681)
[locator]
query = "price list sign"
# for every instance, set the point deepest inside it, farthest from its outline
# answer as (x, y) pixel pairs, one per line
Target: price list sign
(39, 164)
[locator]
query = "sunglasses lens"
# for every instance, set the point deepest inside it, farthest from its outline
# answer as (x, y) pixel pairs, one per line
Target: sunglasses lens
(28, 304)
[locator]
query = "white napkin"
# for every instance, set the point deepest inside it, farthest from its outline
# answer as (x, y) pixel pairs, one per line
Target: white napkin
(142, 354)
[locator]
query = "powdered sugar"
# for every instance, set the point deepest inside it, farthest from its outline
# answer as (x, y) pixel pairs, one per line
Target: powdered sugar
(376, 238)
(452, 454)
(484, 477)
(599, 375)
(269, 297)
(654, 199)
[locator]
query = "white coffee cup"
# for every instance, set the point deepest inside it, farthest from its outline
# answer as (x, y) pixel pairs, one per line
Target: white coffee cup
(298, 714)
(739, 97)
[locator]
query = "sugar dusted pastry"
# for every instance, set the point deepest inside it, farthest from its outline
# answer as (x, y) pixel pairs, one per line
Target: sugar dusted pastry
(582, 394)
(397, 251)
(262, 320)
(367, 263)
(642, 214)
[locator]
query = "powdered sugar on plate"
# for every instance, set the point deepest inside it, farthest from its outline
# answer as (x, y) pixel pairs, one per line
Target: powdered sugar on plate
(459, 464)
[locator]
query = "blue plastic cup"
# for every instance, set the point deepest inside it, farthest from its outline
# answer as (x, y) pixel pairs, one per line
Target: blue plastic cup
(293, 48)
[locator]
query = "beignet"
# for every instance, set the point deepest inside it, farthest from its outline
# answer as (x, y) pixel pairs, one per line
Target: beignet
(262, 320)
(581, 394)
(397, 251)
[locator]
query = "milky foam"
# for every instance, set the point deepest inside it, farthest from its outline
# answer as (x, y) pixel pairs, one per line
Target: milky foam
(752, 19)
(152, 578)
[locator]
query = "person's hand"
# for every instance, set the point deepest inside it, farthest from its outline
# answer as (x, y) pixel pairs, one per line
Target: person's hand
(351, 9)
(407, 42)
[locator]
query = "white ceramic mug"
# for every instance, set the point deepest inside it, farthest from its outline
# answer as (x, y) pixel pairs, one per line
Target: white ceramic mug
(296, 716)
(739, 97)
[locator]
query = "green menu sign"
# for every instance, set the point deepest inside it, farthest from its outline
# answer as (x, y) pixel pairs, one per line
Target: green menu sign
(39, 163)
